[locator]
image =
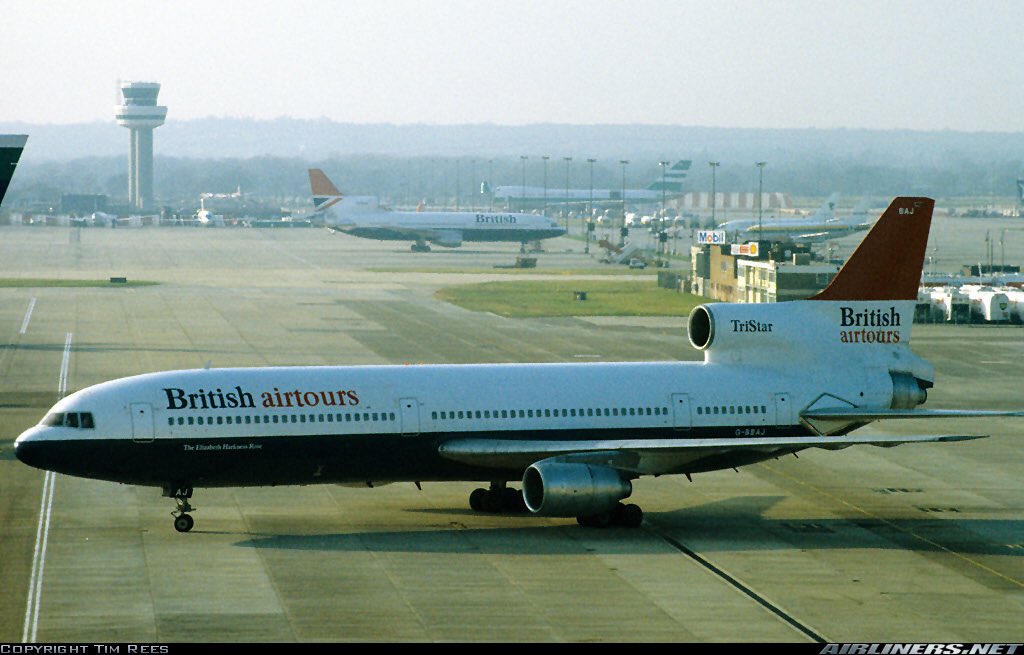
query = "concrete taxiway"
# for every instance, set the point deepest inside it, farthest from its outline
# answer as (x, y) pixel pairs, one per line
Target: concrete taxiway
(915, 543)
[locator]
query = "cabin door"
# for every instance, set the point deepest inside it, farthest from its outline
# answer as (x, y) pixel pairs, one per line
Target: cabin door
(410, 414)
(142, 421)
(783, 409)
(681, 411)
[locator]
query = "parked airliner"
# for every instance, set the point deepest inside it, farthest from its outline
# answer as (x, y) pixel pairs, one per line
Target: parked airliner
(822, 225)
(11, 146)
(362, 216)
(776, 379)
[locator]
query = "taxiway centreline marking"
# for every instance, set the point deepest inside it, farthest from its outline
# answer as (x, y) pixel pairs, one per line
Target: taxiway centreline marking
(35, 587)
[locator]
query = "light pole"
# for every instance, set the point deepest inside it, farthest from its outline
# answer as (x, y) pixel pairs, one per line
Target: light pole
(714, 194)
(622, 237)
(566, 210)
(490, 184)
(545, 158)
(661, 223)
(473, 189)
(590, 206)
(760, 195)
(433, 191)
(523, 201)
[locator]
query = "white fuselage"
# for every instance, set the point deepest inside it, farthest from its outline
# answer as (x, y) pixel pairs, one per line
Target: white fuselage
(294, 425)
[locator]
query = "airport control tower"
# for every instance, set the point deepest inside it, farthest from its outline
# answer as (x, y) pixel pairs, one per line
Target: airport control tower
(140, 114)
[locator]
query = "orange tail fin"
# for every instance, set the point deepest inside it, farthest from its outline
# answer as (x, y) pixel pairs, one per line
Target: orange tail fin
(887, 264)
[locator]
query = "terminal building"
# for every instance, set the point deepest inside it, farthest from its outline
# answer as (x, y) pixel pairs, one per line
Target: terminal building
(752, 273)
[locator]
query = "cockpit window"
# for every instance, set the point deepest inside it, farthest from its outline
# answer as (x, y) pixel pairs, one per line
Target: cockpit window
(69, 420)
(53, 418)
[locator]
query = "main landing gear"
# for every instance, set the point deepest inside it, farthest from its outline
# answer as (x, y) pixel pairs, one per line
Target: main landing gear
(420, 246)
(182, 521)
(625, 516)
(499, 499)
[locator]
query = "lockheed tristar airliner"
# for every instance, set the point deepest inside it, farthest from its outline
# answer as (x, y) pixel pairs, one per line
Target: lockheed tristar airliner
(776, 379)
(362, 216)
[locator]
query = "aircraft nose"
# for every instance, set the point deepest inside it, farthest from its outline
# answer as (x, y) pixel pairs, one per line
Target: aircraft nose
(27, 448)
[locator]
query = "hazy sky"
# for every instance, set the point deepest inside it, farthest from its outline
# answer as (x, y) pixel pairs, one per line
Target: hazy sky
(879, 64)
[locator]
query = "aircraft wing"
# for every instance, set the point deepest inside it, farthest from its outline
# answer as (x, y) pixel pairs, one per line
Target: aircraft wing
(661, 456)
(855, 414)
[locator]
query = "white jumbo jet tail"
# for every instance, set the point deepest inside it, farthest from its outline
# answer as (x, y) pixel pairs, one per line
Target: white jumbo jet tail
(673, 178)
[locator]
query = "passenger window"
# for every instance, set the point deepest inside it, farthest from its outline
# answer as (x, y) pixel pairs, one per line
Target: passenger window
(366, 416)
(433, 415)
(181, 421)
(460, 414)
(732, 409)
(529, 413)
(572, 412)
(504, 413)
(649, 411)
(356, 415)
(220, 420)
(478, 413)
(170, 421)
(190, 421)
(764, 410)
(375, 416)
(699, 412)
(330, 417)
(199, 420)
(632, 412)
(590, 411)
(295, 419)
(248, 420)
(615, 411)
(274, 418)
(716, 409)
(348, 418)
(391, 416)
(547, 412)
(522, 413)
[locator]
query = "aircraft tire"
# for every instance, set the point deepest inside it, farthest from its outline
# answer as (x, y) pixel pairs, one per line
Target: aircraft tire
(630, 516)
(512, 501)
(476, 499)
(183, 523)
(492, 502)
